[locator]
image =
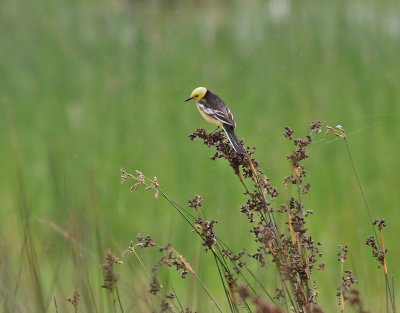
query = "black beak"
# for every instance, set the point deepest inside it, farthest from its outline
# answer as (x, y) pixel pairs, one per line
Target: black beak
(190, 98)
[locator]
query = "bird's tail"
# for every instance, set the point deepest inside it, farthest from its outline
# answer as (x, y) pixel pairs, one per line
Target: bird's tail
(234, 140)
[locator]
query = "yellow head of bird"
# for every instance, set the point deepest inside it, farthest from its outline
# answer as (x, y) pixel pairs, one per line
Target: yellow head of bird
(197, 94)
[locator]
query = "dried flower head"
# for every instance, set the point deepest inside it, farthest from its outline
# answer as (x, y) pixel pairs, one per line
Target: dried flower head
(342, 255)
(348, 280)
(172, 259)
(263, 306)
(378, 253)
(379, 223)
(355, 301)
(74, 300)
(337, 131)
(142, 242)
(288, 132)
(316, 127)
(196, 202)
(206, 230)
(110, 277)
(154, 185)
(223, 147)
(141, 180)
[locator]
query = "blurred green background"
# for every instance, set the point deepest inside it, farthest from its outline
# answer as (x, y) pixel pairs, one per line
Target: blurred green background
(88, 87)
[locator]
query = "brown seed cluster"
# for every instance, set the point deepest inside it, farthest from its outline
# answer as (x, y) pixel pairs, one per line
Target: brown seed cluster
(206, 230)
(141, 180)
(378, 250)
(223, 148)
(293, 252)
(378, 253)
(262, 306)
(74, 300)
(356, 302)
(379, 223)
(196, 202)
(110, 277)
(170, 259)
(342, 255)
(145, 242)
(348, 280)
(289, 247)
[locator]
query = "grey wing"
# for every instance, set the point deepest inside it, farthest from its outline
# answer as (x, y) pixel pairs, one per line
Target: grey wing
(220, 113)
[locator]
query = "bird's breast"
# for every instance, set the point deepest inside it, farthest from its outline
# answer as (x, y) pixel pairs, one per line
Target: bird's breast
(207, 117)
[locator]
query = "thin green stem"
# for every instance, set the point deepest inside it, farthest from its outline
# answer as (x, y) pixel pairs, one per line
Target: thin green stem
(251, 273)
(229, 273)
(393, 296)
(180, 209)
(389, 295)
(55, 304)
(208, 292)
(177, 299)
(142, 265)
(388, 289)
(261, 285)
(226, 290)
(300, 247)
(361, 188)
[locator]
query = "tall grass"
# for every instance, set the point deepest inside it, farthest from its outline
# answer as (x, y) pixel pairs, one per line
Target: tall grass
(94, 86)
(289, 248)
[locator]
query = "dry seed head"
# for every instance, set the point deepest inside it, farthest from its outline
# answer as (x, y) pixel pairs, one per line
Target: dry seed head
(110, 277)
(74, 300)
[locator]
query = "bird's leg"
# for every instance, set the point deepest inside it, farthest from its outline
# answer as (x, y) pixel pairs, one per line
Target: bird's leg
(214, 130)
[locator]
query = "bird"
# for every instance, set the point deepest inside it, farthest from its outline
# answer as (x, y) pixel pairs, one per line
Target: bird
(215, 111)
